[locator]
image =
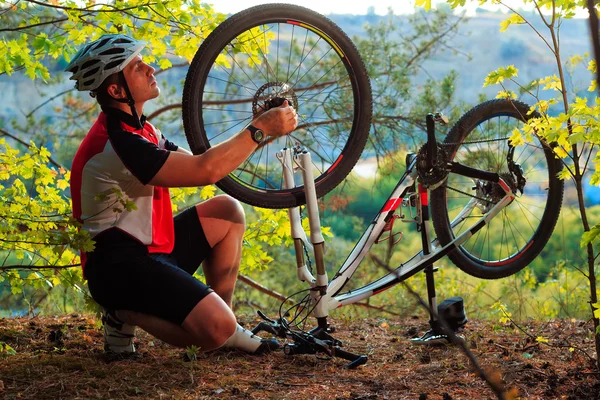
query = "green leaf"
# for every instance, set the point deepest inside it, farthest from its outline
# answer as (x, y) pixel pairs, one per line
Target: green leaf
(423, 3)
(590, 236)
(498, 76)
(513, 19)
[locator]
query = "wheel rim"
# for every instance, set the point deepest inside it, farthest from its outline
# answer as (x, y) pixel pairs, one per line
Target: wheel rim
(270, 62)
(506, 237)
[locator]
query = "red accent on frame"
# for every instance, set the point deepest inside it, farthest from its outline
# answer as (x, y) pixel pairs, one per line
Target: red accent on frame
(382, 290)
(423, 195)
(392, 204)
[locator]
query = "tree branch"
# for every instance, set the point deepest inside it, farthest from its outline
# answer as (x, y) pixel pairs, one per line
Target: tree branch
(48, 101)
(492, 384)
(34, 25)
(261, 288)
(4, 133)
(163, 110)
(37, 267)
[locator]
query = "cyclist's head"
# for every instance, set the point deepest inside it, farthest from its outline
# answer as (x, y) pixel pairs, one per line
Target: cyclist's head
(100, 64)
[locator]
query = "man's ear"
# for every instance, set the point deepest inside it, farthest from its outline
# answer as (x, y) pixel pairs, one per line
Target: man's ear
(116, 91)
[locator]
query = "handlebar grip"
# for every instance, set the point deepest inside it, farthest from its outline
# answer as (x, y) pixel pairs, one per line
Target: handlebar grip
(355, 359)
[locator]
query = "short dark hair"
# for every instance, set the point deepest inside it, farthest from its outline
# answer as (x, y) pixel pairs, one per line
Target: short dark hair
(101, 94)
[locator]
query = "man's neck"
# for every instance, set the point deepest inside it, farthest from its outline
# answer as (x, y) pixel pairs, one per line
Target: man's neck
(125, 107)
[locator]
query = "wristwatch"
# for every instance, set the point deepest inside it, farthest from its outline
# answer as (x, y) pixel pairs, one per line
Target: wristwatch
(257, 135)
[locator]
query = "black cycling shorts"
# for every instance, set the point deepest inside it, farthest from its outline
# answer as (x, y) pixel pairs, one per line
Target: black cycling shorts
(157, 284)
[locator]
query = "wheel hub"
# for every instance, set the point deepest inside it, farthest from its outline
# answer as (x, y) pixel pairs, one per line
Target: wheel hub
(273, 94)
(493, 192)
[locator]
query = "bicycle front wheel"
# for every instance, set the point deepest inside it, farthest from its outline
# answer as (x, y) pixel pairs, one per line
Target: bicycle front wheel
(264, 55)
(512, 239)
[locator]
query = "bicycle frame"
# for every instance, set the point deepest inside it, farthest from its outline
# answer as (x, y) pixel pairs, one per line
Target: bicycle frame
(328, 295)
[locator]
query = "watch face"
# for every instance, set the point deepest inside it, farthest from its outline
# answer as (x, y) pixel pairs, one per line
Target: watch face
(259, 135)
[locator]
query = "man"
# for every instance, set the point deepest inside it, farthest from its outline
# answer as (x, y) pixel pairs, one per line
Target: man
(141, 268)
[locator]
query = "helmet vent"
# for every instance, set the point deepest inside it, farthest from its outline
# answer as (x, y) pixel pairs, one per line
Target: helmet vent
(114, 50)
(114, 63)
(103, 57)
(91, 72)
(89, 64)
(101, 43)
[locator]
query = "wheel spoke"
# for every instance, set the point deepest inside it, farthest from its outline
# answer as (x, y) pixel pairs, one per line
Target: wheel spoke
(284, 53)
(504, 239)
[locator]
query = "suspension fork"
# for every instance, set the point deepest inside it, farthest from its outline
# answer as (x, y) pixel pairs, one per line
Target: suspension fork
(302, 159)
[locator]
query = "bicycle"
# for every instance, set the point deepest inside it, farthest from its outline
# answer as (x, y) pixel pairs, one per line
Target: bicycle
(262, 56)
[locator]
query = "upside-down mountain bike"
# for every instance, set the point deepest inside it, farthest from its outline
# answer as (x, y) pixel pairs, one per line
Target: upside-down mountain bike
(493, 206)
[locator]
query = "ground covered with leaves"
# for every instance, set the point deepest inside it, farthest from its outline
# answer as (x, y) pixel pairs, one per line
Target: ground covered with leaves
(62, 358)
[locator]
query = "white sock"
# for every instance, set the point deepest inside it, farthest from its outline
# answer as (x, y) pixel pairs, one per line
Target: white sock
(244, 340)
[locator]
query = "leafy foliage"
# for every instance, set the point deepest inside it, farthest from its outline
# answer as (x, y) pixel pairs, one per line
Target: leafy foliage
(37, 231)
(39, 31)
(567, 120)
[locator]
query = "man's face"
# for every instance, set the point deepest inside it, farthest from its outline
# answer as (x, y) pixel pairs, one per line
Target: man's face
(141, 81)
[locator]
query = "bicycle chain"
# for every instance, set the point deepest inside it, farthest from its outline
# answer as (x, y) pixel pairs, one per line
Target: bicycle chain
(474, 142)
(467, 194)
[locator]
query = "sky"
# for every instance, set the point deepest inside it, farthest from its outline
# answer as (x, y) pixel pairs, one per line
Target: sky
(351, 6)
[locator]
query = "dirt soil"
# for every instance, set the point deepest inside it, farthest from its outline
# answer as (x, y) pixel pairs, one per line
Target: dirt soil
(62, 358)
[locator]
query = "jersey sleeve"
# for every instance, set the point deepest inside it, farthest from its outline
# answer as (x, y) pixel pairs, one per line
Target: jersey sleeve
(140, 156)
(168, 144)
(163, 143)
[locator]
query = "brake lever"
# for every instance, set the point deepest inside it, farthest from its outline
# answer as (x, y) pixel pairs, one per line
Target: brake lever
(441, 118)
(264, 316)
(273, 327)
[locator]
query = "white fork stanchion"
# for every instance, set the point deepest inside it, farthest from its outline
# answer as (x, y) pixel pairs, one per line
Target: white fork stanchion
(298, 234)
(316, 236)
(302, 159)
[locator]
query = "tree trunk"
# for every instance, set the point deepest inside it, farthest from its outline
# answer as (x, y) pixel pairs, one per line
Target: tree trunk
(591, 269)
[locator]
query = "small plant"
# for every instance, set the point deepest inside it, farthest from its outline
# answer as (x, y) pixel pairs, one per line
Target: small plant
(6, 350)
(191, 353)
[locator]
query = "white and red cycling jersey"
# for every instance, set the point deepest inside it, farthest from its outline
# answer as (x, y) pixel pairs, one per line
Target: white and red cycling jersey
(116, 158)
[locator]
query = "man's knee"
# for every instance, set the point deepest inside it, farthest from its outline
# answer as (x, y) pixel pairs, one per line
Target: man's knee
(223, 329)
(212, 322)
(223, 207)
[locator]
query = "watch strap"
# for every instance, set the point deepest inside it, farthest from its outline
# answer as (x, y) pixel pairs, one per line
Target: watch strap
(253, 131)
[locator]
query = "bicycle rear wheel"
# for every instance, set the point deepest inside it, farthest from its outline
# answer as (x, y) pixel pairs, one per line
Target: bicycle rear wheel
(512, 239)
(269, 53)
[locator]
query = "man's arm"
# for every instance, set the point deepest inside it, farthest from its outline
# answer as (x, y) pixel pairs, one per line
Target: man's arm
(183, 169)
(184, 151)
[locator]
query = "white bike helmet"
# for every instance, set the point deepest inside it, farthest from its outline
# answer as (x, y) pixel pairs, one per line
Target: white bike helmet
(101, 58)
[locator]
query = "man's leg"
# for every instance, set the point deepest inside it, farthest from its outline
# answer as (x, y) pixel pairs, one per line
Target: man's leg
(223, 221)
(208, 325)
(211, 322)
